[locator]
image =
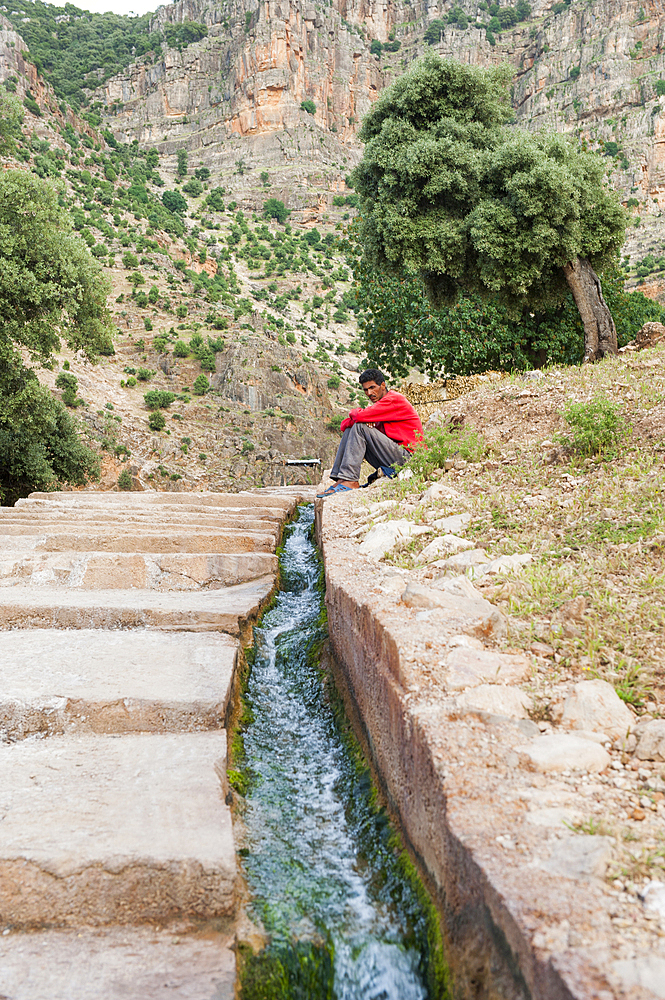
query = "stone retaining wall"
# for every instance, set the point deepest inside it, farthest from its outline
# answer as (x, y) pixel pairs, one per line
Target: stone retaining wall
(525, 910)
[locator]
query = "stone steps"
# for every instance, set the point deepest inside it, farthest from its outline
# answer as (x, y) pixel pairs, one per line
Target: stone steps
(140, 540)
(154, 571)
(142, 681)
(120, 621)
(224, 610)
(115, 829)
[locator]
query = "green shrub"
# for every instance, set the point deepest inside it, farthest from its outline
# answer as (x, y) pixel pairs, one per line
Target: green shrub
(334, 382)
(597, 428)
(290, 337)
(124, 480)
(144, 374)
(193, 187)
(131, 382)
(156, 421)
(156, 399)
(273, 208)
(201, 385)
(308, 106)
(174, 202)
(181, 349)
(129, 260)
(443, 443)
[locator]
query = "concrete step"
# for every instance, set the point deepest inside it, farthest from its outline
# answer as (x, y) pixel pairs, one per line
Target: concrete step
(117, 963)
(142, 539)
(109, 500)
(229, 609)
(57, 520)
(104, 829)
(157, 571)
(55, 681)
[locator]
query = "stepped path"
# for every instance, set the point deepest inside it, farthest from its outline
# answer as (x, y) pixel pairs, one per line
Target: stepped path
(121, 620)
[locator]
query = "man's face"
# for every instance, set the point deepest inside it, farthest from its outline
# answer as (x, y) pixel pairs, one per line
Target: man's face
(374, 391)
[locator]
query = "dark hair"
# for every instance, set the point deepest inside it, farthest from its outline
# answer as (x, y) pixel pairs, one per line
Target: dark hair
(372, 375)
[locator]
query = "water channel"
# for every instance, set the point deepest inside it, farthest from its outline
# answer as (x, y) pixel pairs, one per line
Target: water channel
(328, 886)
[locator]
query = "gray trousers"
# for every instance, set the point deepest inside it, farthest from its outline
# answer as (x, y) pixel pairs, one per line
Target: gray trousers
(364, 442)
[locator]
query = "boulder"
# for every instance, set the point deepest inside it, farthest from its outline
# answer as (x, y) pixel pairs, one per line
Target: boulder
(440, 491)
(383, 537)
(651, 741)
(470, 668)
(653, 897)
(560, 752)
(649, 335)
(443, 545)
(509, 564)
(594, 705)
(497, 699)
(454, 524)
(479, 617)
(465, 560)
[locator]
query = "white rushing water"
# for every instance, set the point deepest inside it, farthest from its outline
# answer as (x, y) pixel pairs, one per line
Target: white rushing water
(318, 863)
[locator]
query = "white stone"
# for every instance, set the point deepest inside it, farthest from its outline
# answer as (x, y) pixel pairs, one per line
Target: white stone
(560, 752)
(478, 616)
(653, 896)
(454, 524)
(647, 971)
(551, 816)
(651, 744)
(580, 856)
(471, 667)
(509, 564)
(459, 585)
(594, 705)
(465, 560)
(443, 545)
(496, 699)
(440, 491)
(383, 537)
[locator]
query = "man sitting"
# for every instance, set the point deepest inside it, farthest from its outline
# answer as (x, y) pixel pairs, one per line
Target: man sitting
(384, 434)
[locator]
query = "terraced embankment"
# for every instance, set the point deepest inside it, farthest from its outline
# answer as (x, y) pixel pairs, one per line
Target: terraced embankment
(121, 617)
(497, 807)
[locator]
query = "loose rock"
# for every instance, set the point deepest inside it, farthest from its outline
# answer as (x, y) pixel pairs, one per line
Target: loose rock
(497, 699)
(454, 524)
(479, 616)
(651, 744)
(563, 753)
(383, 537)
(443, 545)
(594, 705)
(473, 667)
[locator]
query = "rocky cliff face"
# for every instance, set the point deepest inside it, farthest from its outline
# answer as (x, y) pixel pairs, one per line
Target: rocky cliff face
(234, 98)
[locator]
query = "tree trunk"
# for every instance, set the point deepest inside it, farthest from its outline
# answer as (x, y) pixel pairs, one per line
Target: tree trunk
(600, 335)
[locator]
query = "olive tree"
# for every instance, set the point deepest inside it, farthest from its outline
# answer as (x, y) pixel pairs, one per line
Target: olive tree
(51, 289)
(452, 192)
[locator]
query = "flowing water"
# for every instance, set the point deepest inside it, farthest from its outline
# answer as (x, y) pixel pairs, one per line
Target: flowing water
(320, 856)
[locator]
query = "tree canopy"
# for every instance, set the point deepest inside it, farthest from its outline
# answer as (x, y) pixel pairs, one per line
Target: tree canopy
(450, 191)
(401, 330)
(11, 116)
(50, 285)
(51, 288)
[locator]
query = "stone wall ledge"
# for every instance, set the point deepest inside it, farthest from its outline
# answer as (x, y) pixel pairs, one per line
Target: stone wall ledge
(526, 910)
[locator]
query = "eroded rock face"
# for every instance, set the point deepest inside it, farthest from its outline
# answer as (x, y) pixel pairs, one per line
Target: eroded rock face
(237, 93)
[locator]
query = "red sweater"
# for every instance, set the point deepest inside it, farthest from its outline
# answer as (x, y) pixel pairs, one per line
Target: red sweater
(394, 416)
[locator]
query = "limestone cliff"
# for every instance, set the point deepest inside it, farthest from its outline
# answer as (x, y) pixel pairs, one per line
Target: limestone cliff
(234, 98)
